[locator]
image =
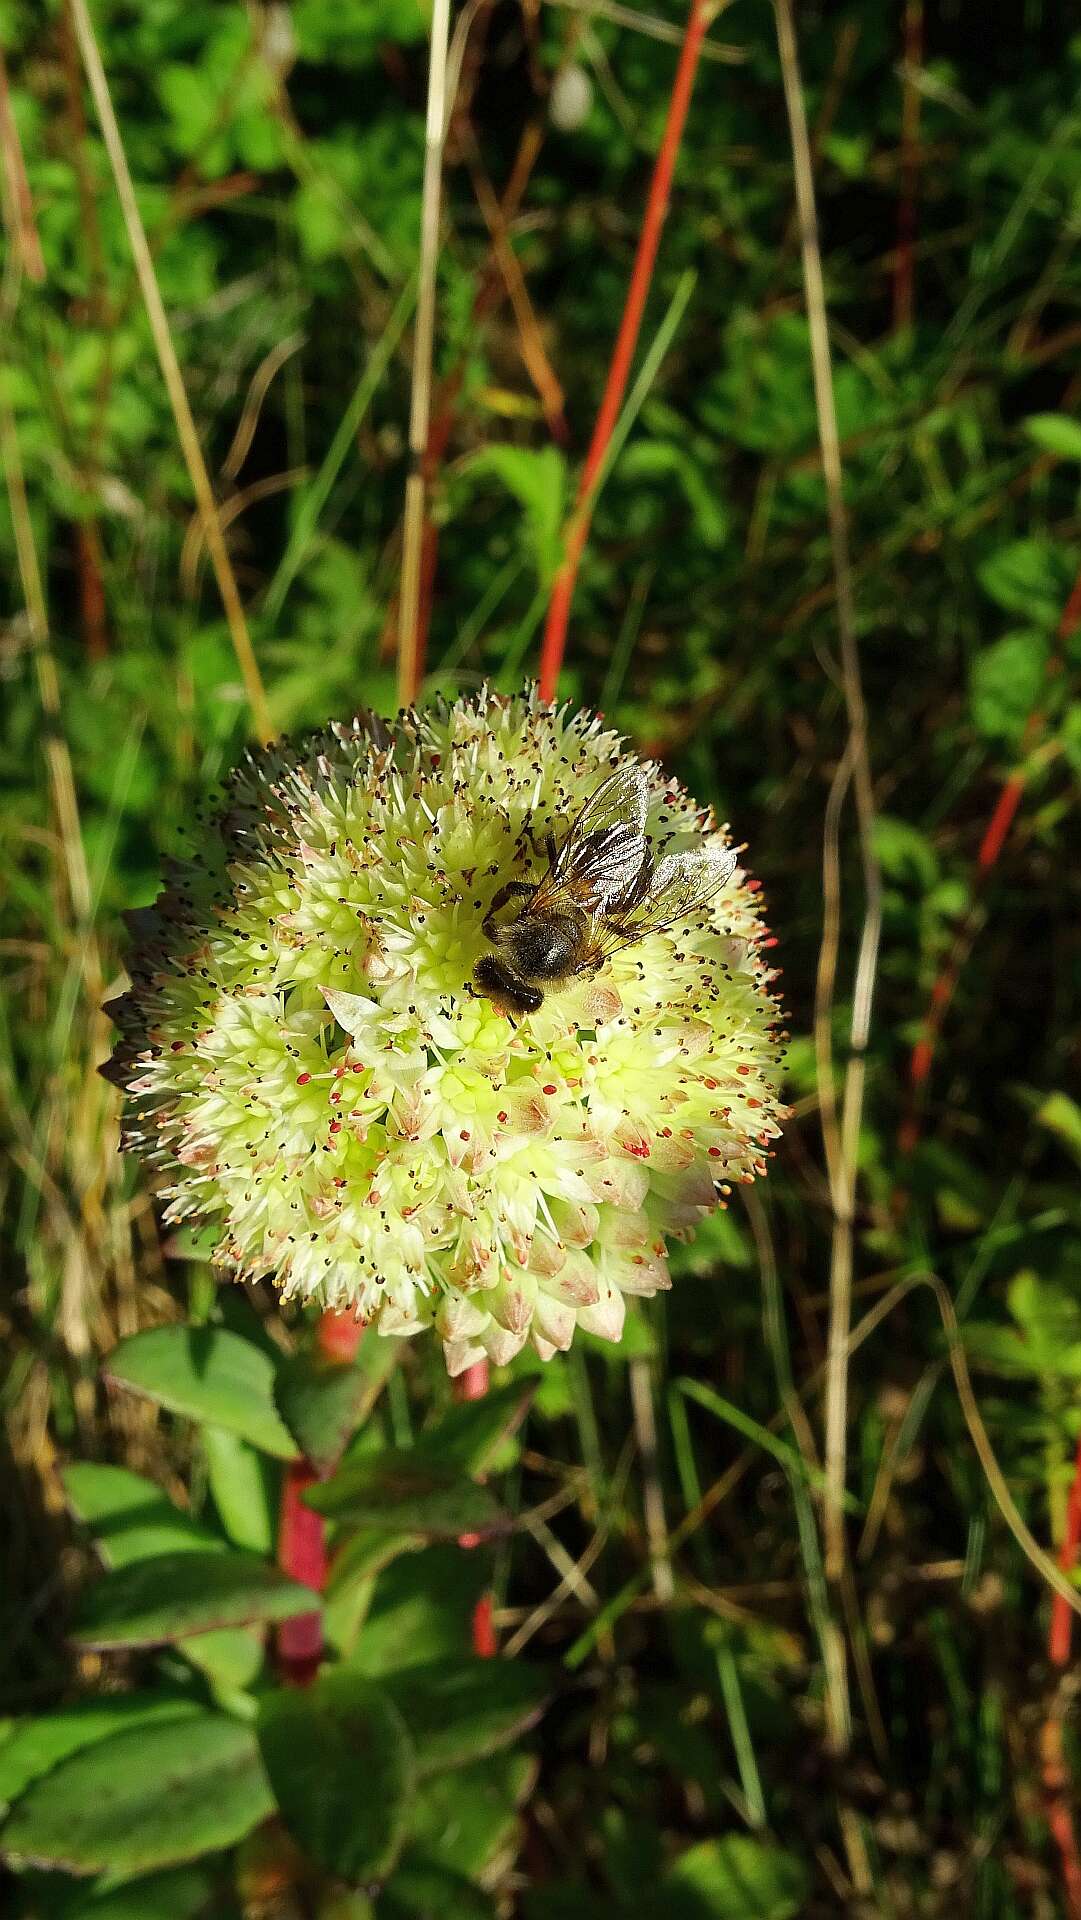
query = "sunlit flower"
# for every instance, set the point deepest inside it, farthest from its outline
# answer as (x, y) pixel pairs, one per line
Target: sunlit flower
(308, 1061)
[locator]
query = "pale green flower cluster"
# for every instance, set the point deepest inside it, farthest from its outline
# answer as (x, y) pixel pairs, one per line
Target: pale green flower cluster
(305, 1056)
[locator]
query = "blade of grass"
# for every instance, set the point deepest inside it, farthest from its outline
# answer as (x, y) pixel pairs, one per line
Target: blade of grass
(555, 636)
(843, 1169)
(739, 1728)
(170, 367)
(409, 662)
(788, 1457)
(315, 497)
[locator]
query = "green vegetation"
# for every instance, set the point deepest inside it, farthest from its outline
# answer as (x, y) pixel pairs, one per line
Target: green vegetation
(670, 1730)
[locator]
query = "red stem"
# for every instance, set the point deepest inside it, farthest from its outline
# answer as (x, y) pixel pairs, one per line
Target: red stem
(473, 1385)
(1058, 1639)
(555, 633)
(302, 1555)
(904, 272)
(302, 1550)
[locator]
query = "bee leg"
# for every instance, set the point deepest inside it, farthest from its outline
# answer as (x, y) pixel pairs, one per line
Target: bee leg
(499, 900)
(550, 848)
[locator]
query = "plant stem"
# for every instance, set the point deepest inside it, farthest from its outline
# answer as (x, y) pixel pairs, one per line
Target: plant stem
(302, 1555)
(842, 1157)
(409, 662)
(555, 633)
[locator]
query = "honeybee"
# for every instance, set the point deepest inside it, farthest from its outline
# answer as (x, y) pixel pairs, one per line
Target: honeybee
(604, 889)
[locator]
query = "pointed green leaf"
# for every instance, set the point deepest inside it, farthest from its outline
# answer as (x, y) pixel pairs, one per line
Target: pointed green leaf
(244, 1484)
(471, 1432)
(422, 1890)
(323, 1402)
(206, 1373)
(130, 1517)
(178, 1594)
(736, 1878)
(342, 1767)
(230, 1657)
(37, 1745)
(181, 1894)
(461, 1712)
(467, 1820)
(420, 1611)
(146, 1798)
(1057, 433)
(402, 1488)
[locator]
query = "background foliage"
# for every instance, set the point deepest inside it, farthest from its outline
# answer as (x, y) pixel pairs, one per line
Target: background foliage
(278, 153)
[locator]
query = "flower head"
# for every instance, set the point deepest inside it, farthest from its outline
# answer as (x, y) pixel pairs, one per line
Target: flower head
(307, 1058)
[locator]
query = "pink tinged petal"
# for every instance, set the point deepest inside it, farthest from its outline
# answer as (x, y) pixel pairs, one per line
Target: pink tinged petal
(554, 1322)
(501, 1346)
(513, 1310)
(577, 1221)
(607, 1317)
(576, 1284)
(351, 1010)
(634, 1139)
(671, 1153)
(546, 1257)
(460, 1319)
(640, 1275)
(602, 1003)
(460, 1355)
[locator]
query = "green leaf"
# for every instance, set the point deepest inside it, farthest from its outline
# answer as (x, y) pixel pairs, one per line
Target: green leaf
(537, 477)
(420, 1889)
(206, 1373)
(39, 1744)
(471, 1432)
(1025, 577)
(1062, 1117)
(130, 1518)
(323, 1402)
(243, 1484)
(416, 1494)
(154, 1601)
(146, 1798)
(467, 1820)
(1056, 432)
(461, 1712)
(181, 1894)
(342, 1767)
(420, 1611)
(737, 1878)
(230, 1657)
(1005, 684)
(904, 853)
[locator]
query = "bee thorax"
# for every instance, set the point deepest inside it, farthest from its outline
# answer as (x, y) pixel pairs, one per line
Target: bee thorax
(542, 946)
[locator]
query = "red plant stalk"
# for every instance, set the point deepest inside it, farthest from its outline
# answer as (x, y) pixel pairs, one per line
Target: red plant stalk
(1058, 1639)
(473, 1385)
(302, 1555)
(1057, 1782)
(302, 1552)
(904, 272)
(555, 632)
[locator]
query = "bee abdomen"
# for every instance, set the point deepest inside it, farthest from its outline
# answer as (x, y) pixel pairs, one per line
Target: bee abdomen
(504, 988)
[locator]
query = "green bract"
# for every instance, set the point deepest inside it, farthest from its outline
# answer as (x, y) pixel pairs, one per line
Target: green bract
(306, 1058)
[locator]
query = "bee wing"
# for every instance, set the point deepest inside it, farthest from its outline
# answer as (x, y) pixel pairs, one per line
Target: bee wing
(604, 850)
(621, 801)
(681, 883)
